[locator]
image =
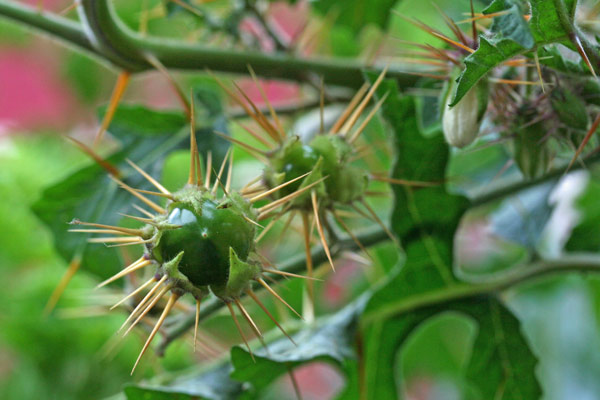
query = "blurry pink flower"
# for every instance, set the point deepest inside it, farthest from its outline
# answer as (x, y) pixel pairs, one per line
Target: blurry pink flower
(317, 381)
(31, 93)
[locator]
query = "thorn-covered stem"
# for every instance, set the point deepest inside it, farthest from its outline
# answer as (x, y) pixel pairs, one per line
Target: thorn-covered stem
(106, 37)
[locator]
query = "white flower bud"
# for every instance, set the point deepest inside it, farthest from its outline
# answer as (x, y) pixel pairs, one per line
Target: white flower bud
(461, 122)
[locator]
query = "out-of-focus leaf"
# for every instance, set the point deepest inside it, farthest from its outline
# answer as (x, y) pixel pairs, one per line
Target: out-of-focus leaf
(502, 365)
(523, 217)
(331, 339)
(212, 385)
(426, 220)
(545, 28)
(424, 217)
(357, 13)
(586, 234)
(511, 25)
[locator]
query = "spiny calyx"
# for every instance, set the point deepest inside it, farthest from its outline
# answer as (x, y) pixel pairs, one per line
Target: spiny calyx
(328, 156)
(207, 233)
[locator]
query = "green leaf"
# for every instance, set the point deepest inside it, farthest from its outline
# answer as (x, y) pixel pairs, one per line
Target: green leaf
(424, 217)
(511, 25)
(426, 220)
(545, 28)
(586, 234)
(331, 339)
(502, 365)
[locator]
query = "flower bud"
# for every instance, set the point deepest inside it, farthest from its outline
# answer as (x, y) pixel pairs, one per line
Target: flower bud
(461, 122)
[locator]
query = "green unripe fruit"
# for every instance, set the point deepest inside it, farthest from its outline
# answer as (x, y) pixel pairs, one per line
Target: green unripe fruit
(205, 234)
(325, 155)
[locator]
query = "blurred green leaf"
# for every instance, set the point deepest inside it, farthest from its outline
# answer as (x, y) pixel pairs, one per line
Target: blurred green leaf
(586, 234)
(355, 14)
(330, 339)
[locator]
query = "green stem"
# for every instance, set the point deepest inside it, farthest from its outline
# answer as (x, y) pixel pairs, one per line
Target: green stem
(110, 39)
(59, 27)
(567, 18)
(568, 263)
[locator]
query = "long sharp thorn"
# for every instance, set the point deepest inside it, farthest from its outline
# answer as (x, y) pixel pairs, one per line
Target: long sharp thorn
(115, 98)
(278, 297)
(139, 264)
(245, 106)
(352, 120)
(357, 97)
(268, 103)
(126, 231)
(254, 135)
(150, 179)
(197, 321)
(108, 167)
(221, 169)
(378, 220)
(583, 55)
(404, 182)
(322, 107)
(159, 323)
(229, 174)
(585, 140)
(150, 306)
(140, 209)
(253, 222)
(260, 118)
(157, 194)
(287, 198)
(135, 292)
(140, 219)
(285, 273)
(306, 233)
(313, 196)
(193, 147)
(262, 306)
(144, 300)
(155, 62)
(239, 328)
(473, 23)
(148, 202)
(352, 235)
(271, 191)
(62, 285)
(112, 231)
(258, 153)
(539, 71)
(364, 124)
(250, 321)
(114, 240)
(208, 169)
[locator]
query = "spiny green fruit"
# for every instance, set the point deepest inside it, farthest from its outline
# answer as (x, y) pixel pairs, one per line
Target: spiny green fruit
(207, 231)
(324, 156)
(198, 244)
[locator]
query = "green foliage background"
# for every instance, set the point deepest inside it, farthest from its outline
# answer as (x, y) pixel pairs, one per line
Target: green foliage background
(537, 338)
